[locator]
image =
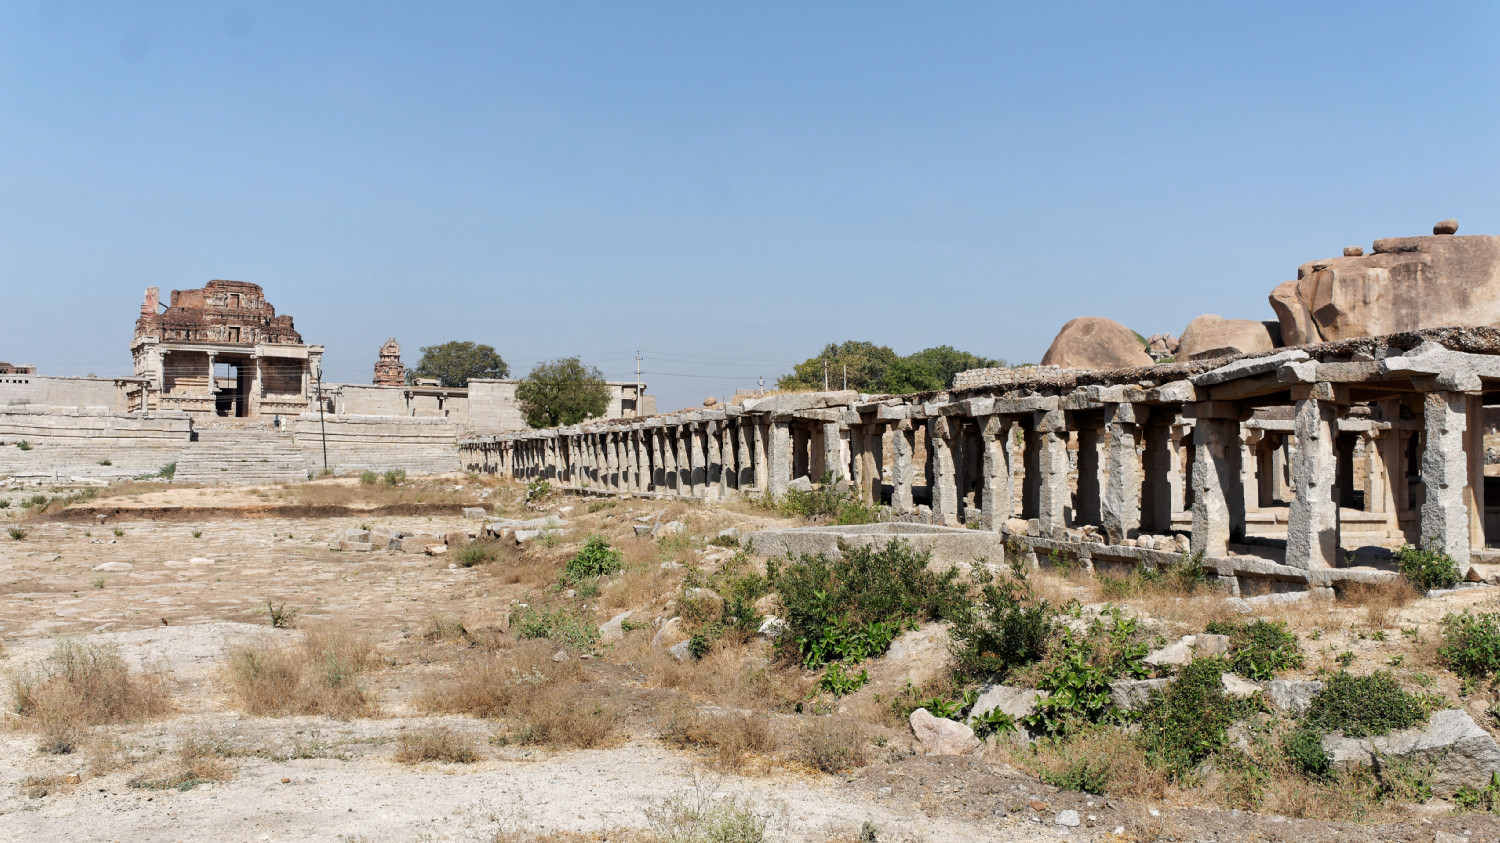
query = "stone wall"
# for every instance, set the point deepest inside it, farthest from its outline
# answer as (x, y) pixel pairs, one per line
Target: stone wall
(93, 444)
(67, 392)
(378, 443)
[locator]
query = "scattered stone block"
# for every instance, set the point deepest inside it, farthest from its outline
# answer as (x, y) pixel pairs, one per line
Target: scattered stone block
(1291, 695)
(114, 567)
(1458, 750)
(474, 513)
(1017, 702)
(614, 628)
(356, 547)
(1238, 687)
(418, 543)
(801, 484)
(941, 736)
(1134, 694)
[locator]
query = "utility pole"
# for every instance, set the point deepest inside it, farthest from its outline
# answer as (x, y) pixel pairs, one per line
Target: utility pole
(825, 375)
(638, 382)
(322, 429)
(846, 376)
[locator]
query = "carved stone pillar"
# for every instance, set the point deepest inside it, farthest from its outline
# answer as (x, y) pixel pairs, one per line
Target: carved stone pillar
(1312, 536)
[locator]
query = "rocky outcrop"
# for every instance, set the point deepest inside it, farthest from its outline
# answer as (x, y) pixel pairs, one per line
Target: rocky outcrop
(1459, 751)
(1214, 336)
(1093, 342)
(1404, 284)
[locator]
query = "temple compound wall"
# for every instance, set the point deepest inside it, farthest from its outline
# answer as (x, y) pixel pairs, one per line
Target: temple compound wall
(1285, 470)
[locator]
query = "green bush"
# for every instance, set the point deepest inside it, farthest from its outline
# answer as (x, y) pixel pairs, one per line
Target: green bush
(476, 553)
(1471, 644)
(1080, 667)
(394, 476)
(1007, 627)
(1258, 649)
(832, 501)
(368, 477)
(1361, 706)
(561, 624)
(1189, 720)
(24, 445)
(1426, 569)
(852, 607)
(1303, 750)
(595, 559)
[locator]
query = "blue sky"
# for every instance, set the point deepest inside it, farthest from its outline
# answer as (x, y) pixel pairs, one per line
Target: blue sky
(724, 187)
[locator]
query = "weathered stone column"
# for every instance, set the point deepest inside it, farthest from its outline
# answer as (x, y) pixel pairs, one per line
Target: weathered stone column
(685, 437)
(874, 461)
(713, 462)
(904, 446)
(746, 449)
(1087, 506)
(1121, 507)
(803, 454)
(760, 439)
(1312, 534)
(1218, 495)
(778, 460)
(1051, 432)
(1474, 489)
(669, 460)
(728, 475)
(995, 496)
(1156, 490)
(1250, 463)
(943, 479)
(1180, 477)
(833, 452)
(1445, 474)
(697, 459)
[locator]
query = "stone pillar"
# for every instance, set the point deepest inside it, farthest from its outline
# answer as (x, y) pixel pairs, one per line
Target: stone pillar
(669, 460)
(1031, 469)
(1251, 441)
(1051, 431)
(713, 463)
(685, 438)
(746, 450)
(1180, 477)
(943, 479)
(995, 499)
(778, 461)
(1156, 490)
(724, 463)
(213, 384)
(1312, 534)
(904, 445)
(833, 452)
(1121, 508)
(802, 452)
(1218, 494)
(760, 431)
(1087, 507)
(1445, 474)
(1474, 489)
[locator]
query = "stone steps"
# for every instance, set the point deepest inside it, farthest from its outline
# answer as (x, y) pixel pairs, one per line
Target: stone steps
(241, 455)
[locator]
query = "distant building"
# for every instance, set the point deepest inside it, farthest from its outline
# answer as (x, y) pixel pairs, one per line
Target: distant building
(388, 368)
(228, 324)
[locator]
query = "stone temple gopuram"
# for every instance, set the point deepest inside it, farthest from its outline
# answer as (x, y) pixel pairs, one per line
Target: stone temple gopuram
(221, 351)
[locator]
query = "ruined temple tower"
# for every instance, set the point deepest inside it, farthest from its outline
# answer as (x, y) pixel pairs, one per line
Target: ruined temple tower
(222, 351)
(388, 368)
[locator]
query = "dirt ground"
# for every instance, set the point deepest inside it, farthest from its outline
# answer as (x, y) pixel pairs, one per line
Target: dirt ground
(179, 578)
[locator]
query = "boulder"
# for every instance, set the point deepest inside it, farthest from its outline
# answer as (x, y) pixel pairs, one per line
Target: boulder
(614, 628)
(1161, 346)
(1211, 335)
(1093, 342)
(919, 655)
(1405, 284)
(1447, 226)
(1132, 694)
(418, 543)
(1238, 687)
(801, 484)
(1017, 702)
(1459, 751)
(1291, 695)
(941, 736)
(474, 513)
(1187, 648)
(670, 633)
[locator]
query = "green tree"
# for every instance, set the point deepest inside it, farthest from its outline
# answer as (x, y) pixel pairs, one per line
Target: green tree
(866, 362)
(455, 363)
(562, 392)
(931, 369)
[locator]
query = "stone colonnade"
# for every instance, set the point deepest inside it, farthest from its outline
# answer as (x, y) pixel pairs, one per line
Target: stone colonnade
(1386, 439)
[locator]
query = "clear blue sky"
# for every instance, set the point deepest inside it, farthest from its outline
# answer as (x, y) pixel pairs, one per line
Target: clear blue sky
(726, 187)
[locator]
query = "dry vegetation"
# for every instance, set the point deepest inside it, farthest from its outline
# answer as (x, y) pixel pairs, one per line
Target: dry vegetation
(522, 655)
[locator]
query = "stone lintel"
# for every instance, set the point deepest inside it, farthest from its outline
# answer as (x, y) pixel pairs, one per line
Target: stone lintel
(1214, 410)
(1050, 421)
(1248, 367)
(1265, 383)
(1079, 400)
(896, 413)
(1128, 393)
(1320, 391)
(1029, 404)
(971, 407)
(1176, 392)
(834, 416)
(940, 427)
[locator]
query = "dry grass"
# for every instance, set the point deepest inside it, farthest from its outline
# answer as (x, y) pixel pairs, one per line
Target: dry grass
(321, 674)
(198, 760)
(82, 685)
(736, 739)
(1105, 755)
(440, 744)
(741, 676)
(1380, 601)
(547, 702)
(833, 744)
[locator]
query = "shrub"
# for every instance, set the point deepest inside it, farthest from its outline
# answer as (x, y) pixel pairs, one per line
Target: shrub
(435, 745)
(394, 476)
(16, 533)
(168, 471)
(1361, 706)
(24, 445)
(1076, 690)
(733, 737)
(832, 500)
(476, 553)
(368, 478)
(281, 617)
(1427, 569)
(319, 675)
(833, 745)
(1007, 627)
(698, 817)
(1260, 648)
(852, 607)
(1190, 719)
(595, 559)
(81, 685)
(1471, 644)
(561, 624)
(1303, 750)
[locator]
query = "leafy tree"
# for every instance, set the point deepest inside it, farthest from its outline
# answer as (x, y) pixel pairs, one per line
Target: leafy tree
(876, 368)
(562, 392)
(455, 363)
(866, 362)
